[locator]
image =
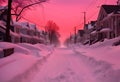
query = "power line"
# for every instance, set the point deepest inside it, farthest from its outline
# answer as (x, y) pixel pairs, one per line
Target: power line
(93, 15)
(101, 2)
(96, 3)
(90, 7)
(91, 4)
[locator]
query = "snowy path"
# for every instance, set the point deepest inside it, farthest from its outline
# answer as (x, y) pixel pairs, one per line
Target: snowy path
(64, 66)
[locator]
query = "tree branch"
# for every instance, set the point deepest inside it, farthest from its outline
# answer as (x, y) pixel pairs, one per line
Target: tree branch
(29, 6)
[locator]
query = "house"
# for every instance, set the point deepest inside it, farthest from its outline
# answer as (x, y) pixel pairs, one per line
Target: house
(2, 30)
(43, 36)
(34, 33)
(24, 28)
(80, 34)
(16, 31)
(88, 29)
(19, 31)
(29, 33)
(3, 20)
(108, 22)
(14, 36)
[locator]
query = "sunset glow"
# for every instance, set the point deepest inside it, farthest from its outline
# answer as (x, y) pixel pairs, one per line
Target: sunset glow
(66, 13)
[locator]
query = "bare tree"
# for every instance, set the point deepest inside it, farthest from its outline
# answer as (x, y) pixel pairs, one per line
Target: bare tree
(18, 9)
(52, 29)
(17, 6)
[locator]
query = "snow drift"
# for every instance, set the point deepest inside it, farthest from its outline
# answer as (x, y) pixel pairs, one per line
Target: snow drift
(102, 59)
(23, 64)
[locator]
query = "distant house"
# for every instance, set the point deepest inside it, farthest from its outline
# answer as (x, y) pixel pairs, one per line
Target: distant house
(28, 33)
(89, 28)
(24, 30)
(108, 22)
(80, 35)
(16, 31)
(43, 36)
(34, 33)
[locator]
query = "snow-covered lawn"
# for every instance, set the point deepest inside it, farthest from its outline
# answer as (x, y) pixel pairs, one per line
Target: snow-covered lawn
(102, 59)
(22, 65)
(103, 51)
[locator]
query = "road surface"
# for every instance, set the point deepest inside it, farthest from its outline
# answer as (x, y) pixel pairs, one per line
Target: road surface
(64, 65)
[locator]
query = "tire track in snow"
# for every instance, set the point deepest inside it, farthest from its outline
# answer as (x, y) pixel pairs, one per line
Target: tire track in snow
(32, 71)
(63, 66)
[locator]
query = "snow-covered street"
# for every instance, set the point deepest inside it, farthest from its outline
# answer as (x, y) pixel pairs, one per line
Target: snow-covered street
(64, 66)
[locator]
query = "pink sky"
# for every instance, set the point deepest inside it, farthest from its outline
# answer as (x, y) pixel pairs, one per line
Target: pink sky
(66, 13)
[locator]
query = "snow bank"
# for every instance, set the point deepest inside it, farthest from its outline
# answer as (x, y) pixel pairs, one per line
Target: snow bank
(23, 64)
(35, 51)
(107, 42)
(103, 51)
(102, 58)
(101, 70)
(15, 65)
(45, 49)
(19, 49)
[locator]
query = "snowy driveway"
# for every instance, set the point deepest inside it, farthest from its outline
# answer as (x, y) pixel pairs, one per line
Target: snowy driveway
(64, 66)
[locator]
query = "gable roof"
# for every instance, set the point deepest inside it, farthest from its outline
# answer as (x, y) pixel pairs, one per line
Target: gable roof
(111, 8)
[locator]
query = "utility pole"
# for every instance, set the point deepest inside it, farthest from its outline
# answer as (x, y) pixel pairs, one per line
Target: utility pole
(75, 38)
(8, 38)
(118, 2)
(70, 37)
(84, 18)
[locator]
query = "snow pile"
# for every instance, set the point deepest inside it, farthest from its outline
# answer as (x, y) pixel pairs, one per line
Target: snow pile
(16, 67)
(102, 59)
(34, 50)
(45, 49)
(23, 64)
(17, 48)
(102, 71)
